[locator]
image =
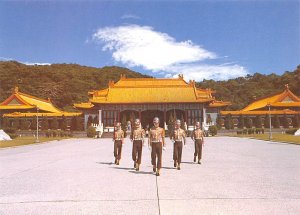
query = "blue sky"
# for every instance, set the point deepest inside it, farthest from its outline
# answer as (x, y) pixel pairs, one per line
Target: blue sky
(199, 39)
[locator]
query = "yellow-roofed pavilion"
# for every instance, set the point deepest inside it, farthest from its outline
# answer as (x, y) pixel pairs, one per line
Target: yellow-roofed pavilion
(21, 105)
(285, 103)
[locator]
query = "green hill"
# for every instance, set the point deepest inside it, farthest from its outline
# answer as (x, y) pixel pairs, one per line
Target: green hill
(243, 90)
(67, 84)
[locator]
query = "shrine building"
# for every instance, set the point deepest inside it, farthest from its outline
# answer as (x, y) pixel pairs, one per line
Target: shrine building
(146, 98)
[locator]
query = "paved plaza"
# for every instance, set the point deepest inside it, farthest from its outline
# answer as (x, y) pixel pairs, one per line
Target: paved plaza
(77, 176)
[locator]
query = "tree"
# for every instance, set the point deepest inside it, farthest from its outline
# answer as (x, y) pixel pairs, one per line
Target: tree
(90, 121)
(258, 121)
(228, 122)
(91, 132)
(219, 121)
(132, 117)
(45, 124)
(124, 124)
(241, 123)
(296, 121)
(96, 120)
(208, 119)
(54, 123)
(275, 121)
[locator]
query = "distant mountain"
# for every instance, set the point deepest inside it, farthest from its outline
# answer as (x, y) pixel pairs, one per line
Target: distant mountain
(67, 84)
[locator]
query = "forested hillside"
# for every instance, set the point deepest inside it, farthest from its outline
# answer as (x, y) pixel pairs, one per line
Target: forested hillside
(241, 91)
(67, 84)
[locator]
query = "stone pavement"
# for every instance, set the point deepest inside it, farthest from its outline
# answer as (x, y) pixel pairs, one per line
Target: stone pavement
(77, 176)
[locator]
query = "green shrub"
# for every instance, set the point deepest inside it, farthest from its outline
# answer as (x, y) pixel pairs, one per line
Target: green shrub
(244, 131)
(91, 132)
(54, 133)
(213, 130)
(291, 131)
(12, 135)
(239, 132)
(10, 130)
(48, 133)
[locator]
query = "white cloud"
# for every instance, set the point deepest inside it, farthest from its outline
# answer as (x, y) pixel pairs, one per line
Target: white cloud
(130, 16)
(216, 72)
(142, 46)
(26, 63)
(36, 64)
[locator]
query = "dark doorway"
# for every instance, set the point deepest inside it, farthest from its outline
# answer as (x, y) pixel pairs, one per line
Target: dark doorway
(147, 118)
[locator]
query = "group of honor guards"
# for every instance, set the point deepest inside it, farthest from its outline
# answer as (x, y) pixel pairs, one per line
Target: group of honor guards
(156, 142)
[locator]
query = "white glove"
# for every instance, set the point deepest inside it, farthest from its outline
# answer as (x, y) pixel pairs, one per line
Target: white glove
(164, 148)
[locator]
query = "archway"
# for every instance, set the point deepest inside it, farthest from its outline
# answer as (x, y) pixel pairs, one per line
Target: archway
(148, 115)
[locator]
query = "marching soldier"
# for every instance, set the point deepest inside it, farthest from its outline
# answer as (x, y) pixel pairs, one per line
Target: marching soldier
(157, 142)
(178, 136)
(198, 138)
(137, 137)
(118, 139)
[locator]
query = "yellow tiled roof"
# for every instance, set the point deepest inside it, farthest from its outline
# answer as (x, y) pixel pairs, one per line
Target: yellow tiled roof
(275, 100)
(217, 103)
(84, 105)
(151, 90)
(20, 101)
(32, 114)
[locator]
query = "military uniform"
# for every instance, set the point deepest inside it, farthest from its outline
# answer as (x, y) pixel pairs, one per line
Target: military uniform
(137, 137)
(118, 141)
(197, 136)
(177, 136)
(156, 138)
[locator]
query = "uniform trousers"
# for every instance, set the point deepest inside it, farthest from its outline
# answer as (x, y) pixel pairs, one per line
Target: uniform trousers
(156, 153)
(118, 149)
(198, 149)
(137, 151)
(177, 151)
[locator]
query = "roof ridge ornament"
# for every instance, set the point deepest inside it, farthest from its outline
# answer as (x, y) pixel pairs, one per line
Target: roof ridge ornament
(286, 86)
(16, 89)
(123, 76)
(111, 83)
(180, 76)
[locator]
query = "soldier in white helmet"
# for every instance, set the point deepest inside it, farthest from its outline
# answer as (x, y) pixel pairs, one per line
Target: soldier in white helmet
(178, 136)
(137, 138)
(118, 139)
(198, 138)
(157, 142)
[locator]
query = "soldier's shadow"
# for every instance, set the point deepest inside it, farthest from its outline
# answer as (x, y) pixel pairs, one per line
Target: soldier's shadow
(106, 163)
(141, 172)
(124, 168)
(188, 162)
(168, 167)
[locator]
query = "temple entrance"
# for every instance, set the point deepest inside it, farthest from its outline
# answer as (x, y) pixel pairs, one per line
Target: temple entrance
(128, 117)
(147, 118)
(175, 114)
